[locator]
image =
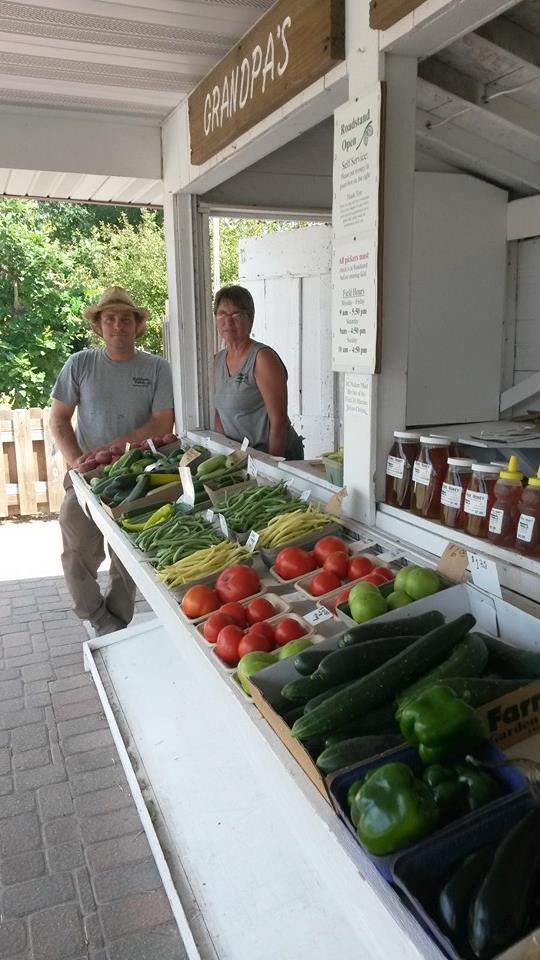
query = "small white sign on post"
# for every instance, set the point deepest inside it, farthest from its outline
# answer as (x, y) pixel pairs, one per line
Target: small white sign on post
(245, 444)
(208, 515)
(223, 525)
(127, 446)
(484, 574)
(152, 446)
(187, 485)
(305, 495)
(318, 616)
(252, 541)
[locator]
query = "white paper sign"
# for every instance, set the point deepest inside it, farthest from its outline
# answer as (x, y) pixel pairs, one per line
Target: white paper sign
(357, 397)
(305, 495)
(245, 444)
(208, 515)
(395, 467)
(357, 138)
(251, 467)
(152, 446)
(252, 541)
(127, 446)
(187, 485)
(484, 574)
(354, 304)
(318, 616)
(223, 525)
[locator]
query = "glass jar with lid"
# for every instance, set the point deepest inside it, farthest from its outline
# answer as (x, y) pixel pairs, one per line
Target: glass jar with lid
(479, 499)
(399, 468)
(457, 478)
(429, 473)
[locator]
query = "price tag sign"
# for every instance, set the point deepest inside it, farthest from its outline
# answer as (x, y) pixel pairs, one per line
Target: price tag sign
(151, 467)
(252, 541)
(152, 446)
(335, 502)
(189, 456)
(245, 444)
(223, 525)
(484, 574)
(187, 485)
(318, 616)
(251, 467)
(453, 562)
(127, 446)
(208, 515)
(305, 495)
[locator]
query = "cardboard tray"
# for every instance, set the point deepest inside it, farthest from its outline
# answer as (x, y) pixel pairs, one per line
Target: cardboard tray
(511, 780)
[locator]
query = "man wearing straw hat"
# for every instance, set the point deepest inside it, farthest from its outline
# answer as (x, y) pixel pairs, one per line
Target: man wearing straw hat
(121, 394)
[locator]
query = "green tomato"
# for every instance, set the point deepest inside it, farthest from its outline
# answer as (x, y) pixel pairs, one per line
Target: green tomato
(400, 583)
(367, 606)
(422, 583)
(398, 599)
(360, 589)
(293, 647)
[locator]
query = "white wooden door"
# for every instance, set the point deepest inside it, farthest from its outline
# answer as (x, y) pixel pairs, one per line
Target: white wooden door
(288, 274)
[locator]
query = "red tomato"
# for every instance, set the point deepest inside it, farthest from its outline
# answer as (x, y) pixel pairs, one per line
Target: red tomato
(254, 641)
(288, 629)
(359, 567)
(265, 630)
(337, 563)
(384, 572)
(323, 582)
(198, 601)
(228, 642)
(214, 624)
(237, 583)
(259, 609)
(326, 546)
(293, 562)
(236, 612)
(375, 578)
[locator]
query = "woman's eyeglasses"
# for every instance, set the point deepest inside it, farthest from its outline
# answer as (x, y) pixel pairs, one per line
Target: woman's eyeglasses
(236, 316)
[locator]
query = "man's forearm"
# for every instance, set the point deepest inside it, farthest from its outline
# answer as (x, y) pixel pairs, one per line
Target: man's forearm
(66, 441)
(149, 429)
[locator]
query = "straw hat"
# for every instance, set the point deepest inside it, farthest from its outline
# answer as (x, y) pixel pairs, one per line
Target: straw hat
(115, 297)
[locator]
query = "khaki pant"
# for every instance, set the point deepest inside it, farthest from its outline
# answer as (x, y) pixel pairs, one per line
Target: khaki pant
(83, 553)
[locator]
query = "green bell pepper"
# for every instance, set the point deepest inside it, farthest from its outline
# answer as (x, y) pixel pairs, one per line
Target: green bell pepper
(440, 725)
(393, 809)
(460, 789)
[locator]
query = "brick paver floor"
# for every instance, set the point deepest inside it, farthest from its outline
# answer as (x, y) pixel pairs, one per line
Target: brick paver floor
(77, 878)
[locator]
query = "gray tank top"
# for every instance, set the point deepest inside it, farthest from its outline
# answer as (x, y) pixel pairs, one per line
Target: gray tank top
(240, 404)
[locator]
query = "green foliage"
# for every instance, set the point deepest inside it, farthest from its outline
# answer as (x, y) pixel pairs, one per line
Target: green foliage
(232, 231)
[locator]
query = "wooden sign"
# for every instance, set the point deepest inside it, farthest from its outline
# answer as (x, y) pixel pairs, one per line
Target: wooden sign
(384, 13)
(291, 46)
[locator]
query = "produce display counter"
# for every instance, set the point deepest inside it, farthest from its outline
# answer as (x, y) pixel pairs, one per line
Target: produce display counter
(262, 866)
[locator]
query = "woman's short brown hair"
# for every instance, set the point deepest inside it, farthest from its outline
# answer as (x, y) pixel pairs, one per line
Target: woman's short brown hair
(239, 296)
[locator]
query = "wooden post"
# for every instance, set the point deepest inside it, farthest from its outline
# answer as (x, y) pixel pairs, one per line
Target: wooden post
(54, 464)
(24, 455)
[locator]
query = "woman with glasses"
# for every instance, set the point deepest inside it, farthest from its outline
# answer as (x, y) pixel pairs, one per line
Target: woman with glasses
(250, 381)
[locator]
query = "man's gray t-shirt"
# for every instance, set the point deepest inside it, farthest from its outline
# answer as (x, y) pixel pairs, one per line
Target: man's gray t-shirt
(113, 397)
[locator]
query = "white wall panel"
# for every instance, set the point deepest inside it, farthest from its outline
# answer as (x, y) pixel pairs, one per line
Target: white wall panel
(527, 347)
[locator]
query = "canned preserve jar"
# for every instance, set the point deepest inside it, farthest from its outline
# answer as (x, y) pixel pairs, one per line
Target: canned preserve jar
(479, 499)
(399, 468)
(429, 472)
(453, 490)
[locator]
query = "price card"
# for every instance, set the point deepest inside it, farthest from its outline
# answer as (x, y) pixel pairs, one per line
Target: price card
(453, 562)
(484, 574)
(152, 446)
(252, 541)
(189, 456)
(318, 616)
(305, 495)
(187, 485)
(152, 466)
(208, 515)
(251, 467)
(245, 444)
(335, 502)
(223, 525)
(127, 446)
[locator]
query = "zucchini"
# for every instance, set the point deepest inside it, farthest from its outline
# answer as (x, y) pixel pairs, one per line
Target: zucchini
(511, 661)
(382, 684)
(303, 689)
(361, 658)
(468, 659)
(380, 720)
(460, 890)
(480, 690)
(347, 752)
(392, 628)
(498, 914)
(141, 487)
(308, 661)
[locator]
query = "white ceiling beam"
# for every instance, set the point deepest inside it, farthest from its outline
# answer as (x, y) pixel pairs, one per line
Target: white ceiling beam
(42, 183)
(437, 23)
(513, 39)
(467, 92)
(18, 182)
(89, 184)
(109, 188)
(194, 64)
(153, 196)
(461, 146)
(114, 96)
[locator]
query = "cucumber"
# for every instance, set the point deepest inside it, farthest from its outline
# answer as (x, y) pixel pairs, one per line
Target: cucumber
(511, 661)
(382, 684)
(480, 690)
(380, 720)
(303, 689)
(392, 628)
(321, 697)
(347, 752)
(308, 661)
(293, 715)
(468, 659)
(361, 658)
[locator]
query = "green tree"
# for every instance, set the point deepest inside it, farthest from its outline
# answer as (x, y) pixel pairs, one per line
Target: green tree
(40, 305)
(132, 257)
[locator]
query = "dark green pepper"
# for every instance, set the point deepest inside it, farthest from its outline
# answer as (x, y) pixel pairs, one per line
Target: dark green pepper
(460, 789)
(440, 725)
(393, 809)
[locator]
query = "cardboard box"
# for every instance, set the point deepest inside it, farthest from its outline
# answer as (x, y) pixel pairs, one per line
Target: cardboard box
(159, 495)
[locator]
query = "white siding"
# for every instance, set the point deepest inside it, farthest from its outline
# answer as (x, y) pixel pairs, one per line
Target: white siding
(527, 345)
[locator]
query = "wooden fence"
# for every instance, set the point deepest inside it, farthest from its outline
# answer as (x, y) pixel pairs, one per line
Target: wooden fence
(31, 468)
